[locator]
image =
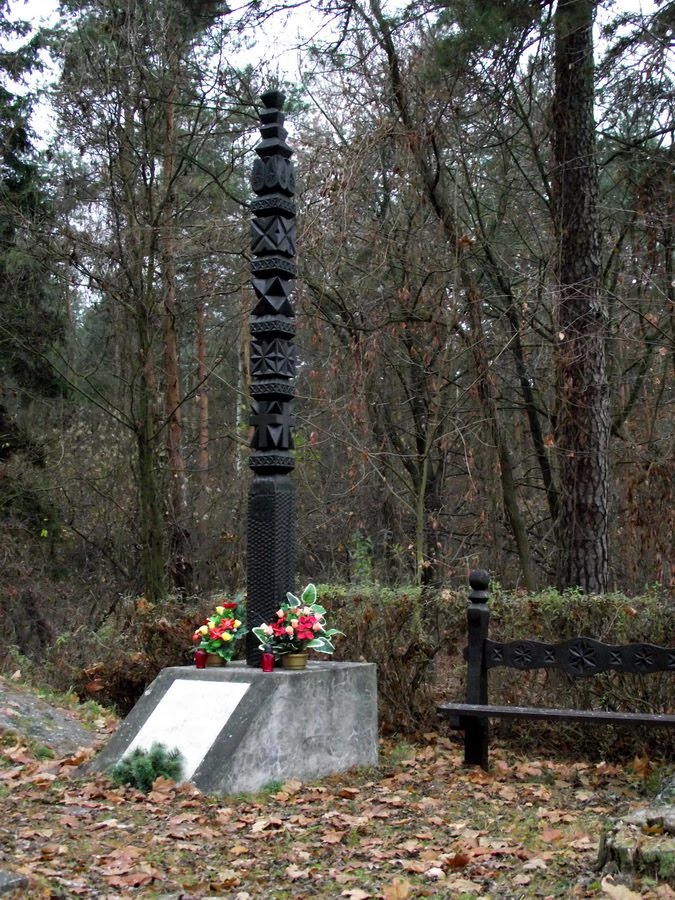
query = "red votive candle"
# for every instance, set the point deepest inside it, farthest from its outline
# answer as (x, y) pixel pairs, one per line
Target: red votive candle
(267, 660)
(200, 658)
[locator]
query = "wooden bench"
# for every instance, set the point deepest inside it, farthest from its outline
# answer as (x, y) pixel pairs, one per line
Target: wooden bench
(579, 657)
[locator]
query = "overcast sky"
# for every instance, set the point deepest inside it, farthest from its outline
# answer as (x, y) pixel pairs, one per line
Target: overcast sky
(280, 47)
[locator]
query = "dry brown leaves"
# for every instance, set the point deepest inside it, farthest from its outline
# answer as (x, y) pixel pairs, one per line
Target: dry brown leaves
(421, 827)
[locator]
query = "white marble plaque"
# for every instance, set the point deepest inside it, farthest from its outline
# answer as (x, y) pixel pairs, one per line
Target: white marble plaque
(190, 716)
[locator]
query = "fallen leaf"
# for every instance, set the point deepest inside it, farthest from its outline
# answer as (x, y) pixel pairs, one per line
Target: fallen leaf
(18, 754)
(463, 886)
(131, 879)
(163, 789)
(80, 756)
(507, 793)
(228, 878)
(294, 872)
(642, 766)
(238, 850)
(458, 861)
(536, 863)
(548, 835)
(49, 851)
(108, 823)
(182, 818)
(265, 823)
(399, 889)
(293, 786)
(348, 793)
(584, 843)
(332, 837)
(618, 891)
(417, 866)
(356, 894)
(409, 846)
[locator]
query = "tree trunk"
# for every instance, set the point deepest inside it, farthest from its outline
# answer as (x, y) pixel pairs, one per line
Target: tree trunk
(486, 392)
(151, 518)
(180, 564)
(203, 407)
(583, 425)
(431, 172)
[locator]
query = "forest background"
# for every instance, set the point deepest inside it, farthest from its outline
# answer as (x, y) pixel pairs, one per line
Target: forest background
(473, 387)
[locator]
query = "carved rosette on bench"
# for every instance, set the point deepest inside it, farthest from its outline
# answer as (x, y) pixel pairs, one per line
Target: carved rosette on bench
(271, 513)
(580, 657)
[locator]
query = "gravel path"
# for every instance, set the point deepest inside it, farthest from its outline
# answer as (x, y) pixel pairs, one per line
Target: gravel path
(31, 717)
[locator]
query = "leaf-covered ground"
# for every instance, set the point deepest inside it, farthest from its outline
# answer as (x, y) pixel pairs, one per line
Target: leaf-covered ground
(420, 825)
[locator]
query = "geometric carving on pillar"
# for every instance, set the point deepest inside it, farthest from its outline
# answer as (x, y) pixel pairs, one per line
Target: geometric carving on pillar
(272, 421)
(262, 327)
(274, 174)
(273, 388)
(273, 203)
(273, 296)
(273, 357)
(273, 265)
(273, 234)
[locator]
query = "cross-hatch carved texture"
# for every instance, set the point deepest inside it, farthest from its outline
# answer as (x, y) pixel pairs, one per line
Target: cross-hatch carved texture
(271, 517)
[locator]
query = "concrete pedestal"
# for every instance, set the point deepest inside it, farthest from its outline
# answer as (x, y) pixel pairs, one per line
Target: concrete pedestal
(240, 728)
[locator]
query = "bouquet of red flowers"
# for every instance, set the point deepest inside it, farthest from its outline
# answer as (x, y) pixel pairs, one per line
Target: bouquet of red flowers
(300, 625)
(221, 630)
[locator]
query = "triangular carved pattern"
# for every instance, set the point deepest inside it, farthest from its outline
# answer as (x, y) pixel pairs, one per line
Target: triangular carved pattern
(272, 421)
(273, 296)
(273, 234)
(275, 357)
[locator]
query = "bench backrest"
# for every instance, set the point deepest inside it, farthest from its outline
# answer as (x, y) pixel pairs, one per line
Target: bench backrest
(579, 657)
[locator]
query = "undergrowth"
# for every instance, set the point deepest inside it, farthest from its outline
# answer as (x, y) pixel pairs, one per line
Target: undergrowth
(416, 638)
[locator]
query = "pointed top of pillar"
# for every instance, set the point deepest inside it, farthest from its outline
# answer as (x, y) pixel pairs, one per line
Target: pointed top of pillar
(273, 99)
(272, 126)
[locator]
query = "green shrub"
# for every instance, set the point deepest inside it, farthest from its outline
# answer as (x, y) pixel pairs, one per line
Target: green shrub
(402, 631)
(141, 767)
(417, 639)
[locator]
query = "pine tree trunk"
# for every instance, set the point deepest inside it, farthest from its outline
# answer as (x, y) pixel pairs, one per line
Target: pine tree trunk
(203, 426)
(151, 518)
(583, 425)
(180, 564)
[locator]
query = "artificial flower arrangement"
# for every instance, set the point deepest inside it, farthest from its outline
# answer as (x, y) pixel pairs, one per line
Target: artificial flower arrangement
(300, 625)
(221, 630)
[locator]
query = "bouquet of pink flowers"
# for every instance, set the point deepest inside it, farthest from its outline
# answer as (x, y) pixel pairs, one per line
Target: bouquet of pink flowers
(300, 625)
(221, 630)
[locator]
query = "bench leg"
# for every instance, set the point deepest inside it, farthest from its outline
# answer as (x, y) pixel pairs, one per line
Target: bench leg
(476, 740)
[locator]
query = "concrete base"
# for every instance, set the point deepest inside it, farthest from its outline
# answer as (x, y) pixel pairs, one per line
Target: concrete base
(240, 728)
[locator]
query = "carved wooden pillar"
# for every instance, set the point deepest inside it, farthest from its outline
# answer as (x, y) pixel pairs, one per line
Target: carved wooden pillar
(271, 512)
